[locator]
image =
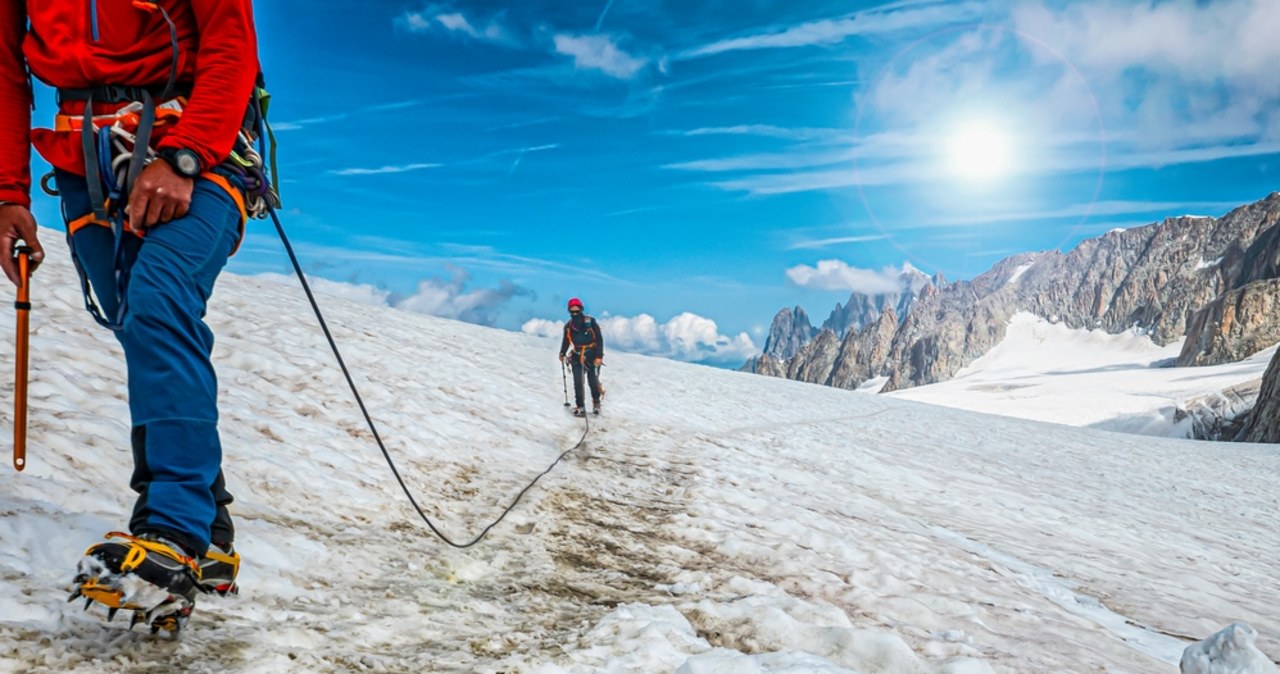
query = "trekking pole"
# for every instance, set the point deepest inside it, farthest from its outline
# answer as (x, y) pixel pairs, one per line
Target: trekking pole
(564, 380)
(23, 307)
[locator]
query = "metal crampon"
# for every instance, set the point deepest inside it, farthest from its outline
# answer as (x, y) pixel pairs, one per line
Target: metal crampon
(148, 578)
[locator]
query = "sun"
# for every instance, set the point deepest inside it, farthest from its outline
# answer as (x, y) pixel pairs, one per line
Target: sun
(979, 152)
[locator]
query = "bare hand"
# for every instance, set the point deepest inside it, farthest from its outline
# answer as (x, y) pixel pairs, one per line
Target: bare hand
(159, 195)
(17, 224)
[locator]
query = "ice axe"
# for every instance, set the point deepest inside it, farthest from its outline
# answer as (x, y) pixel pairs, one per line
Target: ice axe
(23, 307)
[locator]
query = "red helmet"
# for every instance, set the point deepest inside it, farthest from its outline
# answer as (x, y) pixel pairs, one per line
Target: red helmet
(575, 302)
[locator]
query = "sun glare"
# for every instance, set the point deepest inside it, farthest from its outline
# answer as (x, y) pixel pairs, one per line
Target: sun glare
(979, 151)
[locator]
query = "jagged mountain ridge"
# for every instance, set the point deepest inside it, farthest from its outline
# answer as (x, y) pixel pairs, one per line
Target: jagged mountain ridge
(1210, 279)
(791, 328)
(863, 309)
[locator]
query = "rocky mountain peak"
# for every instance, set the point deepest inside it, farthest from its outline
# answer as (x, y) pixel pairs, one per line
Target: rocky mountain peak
(789, 331)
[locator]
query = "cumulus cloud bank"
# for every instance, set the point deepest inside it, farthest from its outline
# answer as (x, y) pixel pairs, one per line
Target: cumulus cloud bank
(687, 337)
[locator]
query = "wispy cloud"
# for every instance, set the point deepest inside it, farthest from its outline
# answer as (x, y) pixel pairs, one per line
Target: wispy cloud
(495, 259)
(293, 125)
(443, 17)
(838, 178)
(835, 241)
(1097, 209)
(832, 147)
(387, 253)
(403, 168)
(770, 131)
(832, 31)
(524, 150)
(1149, 84)
(1181, 39)
(599, 52)
(779, 161)
(600, 20)
(930, 170)
(839, 275)
(296, 124)
(524, 123)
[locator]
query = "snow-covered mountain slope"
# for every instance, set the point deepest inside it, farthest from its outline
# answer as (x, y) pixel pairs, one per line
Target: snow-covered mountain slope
(714, 521)
(1048, 372)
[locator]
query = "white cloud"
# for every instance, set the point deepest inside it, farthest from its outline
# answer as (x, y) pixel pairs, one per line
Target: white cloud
(599, 52)
(457, 22)
(1081, 87)
(780, 161)
(488, 30)
(1094, 209)
(1204, 72)
(835, 241)
(831, 31)
(838, 275)
(687, 337)
(415, 22)
(900, 173)
(404, 168)
(541, 327)
(839, 149)
(450, 298)
(770, 131)
(1182, 37)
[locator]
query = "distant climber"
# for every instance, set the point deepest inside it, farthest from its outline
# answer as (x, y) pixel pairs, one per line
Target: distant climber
(583, 344)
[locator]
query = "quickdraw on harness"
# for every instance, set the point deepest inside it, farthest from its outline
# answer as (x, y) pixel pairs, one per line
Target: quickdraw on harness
(117, 146)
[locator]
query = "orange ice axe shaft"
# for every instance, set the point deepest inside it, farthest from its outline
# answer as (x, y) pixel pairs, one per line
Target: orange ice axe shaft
(23, 306)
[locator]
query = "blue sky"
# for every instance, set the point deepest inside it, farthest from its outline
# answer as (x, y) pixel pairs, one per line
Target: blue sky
(685, 167)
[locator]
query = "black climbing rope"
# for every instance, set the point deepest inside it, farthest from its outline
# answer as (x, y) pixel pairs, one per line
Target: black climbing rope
(297, 268)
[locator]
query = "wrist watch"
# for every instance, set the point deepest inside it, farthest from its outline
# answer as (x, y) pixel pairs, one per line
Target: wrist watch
(185, 162)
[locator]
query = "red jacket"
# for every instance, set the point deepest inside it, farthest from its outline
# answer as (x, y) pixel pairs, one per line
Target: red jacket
(83, 43)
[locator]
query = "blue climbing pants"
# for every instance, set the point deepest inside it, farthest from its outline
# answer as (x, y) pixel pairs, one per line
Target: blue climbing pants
(153, 291)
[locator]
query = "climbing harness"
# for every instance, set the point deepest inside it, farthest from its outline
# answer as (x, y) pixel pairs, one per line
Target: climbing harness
(117, 145)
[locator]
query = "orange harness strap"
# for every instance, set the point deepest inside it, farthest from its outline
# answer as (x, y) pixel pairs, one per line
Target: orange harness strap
(235, 194)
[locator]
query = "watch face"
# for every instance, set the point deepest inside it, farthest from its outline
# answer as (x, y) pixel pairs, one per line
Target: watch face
(188, 164)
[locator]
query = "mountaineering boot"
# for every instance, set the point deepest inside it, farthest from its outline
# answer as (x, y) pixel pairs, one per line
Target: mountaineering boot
(218, 569)
(595, 407)
(145, 574)
(579, 412)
